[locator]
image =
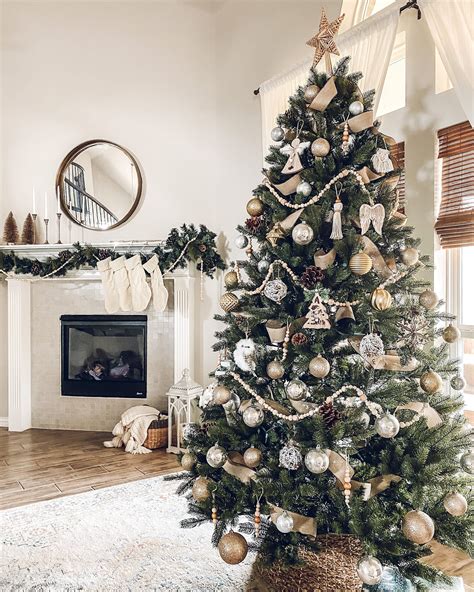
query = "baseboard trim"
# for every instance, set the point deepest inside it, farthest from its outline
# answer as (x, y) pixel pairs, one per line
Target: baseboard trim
(3, 422)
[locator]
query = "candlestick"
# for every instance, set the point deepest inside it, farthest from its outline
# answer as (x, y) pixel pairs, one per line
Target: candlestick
(46, 204)
(34, 203)
(58, 199)
(34, 216)
(46, 222)
(58, 215)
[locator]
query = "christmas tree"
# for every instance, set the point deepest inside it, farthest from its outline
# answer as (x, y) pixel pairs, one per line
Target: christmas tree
(336, 408)
(10, 230)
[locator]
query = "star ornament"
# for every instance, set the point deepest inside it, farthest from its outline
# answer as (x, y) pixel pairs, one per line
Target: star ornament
(323, 41)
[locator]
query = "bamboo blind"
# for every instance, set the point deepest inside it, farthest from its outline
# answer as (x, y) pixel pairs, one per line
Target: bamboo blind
(398, 154)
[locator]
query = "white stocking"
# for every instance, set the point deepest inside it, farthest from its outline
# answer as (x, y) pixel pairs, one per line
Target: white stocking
(122, 283)
(111, 298)
(141, 292)
(160, 293)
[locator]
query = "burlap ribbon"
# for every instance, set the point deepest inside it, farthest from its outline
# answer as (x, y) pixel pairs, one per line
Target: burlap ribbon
(385, 362)
(368, 175)
(236, 467)
(280, 229)
(374, 486)
(324, 96)
(302, 524)
(338, 464)
(289, 186)
(424, 409)
(361, 122)
(380, 266)
(324, 260)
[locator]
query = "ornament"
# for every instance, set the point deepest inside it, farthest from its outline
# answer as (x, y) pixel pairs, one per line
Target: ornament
(413, 329)
(418, 527)
(458, 383)
(253, 416)
(276, 331)
(275, 290)
(216, 456)
(387, 425)
(455, 504)
(304, 189)
(290, 135)
(344, 318)
(381, 161)
(320, 147)
(410, 256)
(296, 390)
(323, 41)
(255, 207)
(241, 241)
(302, 234)
(393, 581)
(467, 462)
(293, 151)
(254, 225)
(316, 461)
(311, 276)
(381, 299)
(319, 367)
(277, 134)
(371, 347)
(284, 523)
(231, 280)
(360, 263)
(299, 339)
(229, 302)
(188, 460)
(364, 419)
(214, 509)
(336, 233)
(345, 138)
(275, 369)
(245, 355)
(263, 265)
(233, 548)
(317, 316)
(428, 299)
(200, 489)
(329, 413)
(290, 457)
(374, 214)
(356, 108)
(257, 519)
(310, 92)
(221, 395)
(252, 457)
(369, 570)
(451, 334)
(431, 382)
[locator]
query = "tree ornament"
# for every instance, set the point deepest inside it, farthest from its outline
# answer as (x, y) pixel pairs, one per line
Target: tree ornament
(293, 151)
(428, 299)
(329, 413)
(319, 367)
(323, 41)
(296, 390)
(263, 265)
(310, 93)
(221, 395)
(254, 225)
(233, 548)
(275, 290)
(458, 383)
(346, 139)
(241, 241)
(356, 108)
(10, 230)
(364, 419)
(451, 334)
(455, 504)
(302, 234)
(374, 214)
(418, 527)
(277, 134)
(28, 231)
(253, 416)
(387, 425)
(216, 456)
(255, 207)
(431, 382)
(317, 316)
(316, 461)
(393, 581)
(229, 302)
(275, 369)
(381, 161)
(200, 489)
(344, 318)
(214, 509)
(290, 135)
(188, 460)
(299, 339)
(231, 280)
(303, 189)
(371, 347)
(467, 462)
(336, 233)
(290, 457)
(245, 355)
(257, 519)
(252, 457)
(369, 570)
(320, 147)
(381, 299)
(360, 263)
(311, 276)
(410, 256)
(284, 523)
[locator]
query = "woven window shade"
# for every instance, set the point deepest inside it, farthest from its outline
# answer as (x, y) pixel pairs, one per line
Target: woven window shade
(397, 152)
(455, 224)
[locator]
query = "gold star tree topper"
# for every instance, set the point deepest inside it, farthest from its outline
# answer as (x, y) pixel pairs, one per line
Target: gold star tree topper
(323, 41)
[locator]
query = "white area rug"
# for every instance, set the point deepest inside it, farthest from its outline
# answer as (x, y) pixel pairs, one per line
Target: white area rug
(123, 538)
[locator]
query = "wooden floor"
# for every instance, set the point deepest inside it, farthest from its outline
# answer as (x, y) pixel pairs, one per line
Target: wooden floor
(44, 464)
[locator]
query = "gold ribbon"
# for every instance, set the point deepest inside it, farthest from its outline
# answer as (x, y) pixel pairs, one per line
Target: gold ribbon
(338, 465)
(302, 524)
(236, 467)
(374, 486)
(289, 186)
(326, 260)
(368, 175)
(385, 362)
(324, 96)
(378, 262)
(424, 409)
(361, 122)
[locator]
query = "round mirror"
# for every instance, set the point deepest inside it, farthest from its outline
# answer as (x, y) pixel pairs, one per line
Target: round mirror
(99, 185)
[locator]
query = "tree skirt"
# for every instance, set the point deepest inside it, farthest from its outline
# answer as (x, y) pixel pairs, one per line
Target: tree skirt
(123, 538)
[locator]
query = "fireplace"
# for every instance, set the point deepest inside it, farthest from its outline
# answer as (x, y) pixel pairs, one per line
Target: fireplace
(104, 356)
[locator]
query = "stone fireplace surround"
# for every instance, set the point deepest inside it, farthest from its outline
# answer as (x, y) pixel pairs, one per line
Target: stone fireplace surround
(34, 308)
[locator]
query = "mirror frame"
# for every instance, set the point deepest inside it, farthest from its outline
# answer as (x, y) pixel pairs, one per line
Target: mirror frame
(68, 159)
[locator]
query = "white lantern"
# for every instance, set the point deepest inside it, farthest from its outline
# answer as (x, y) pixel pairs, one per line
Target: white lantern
(182, 397)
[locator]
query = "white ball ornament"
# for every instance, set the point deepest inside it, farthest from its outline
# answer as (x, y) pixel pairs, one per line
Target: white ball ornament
(316, 461)
(410, 256)
(310, 92)
(455, 504)
(216, 456)
(320, 147)
(356, 108)
(467, 462)
(302, 234)
(296, 390)
(387, 425)
(284, 523)
(458, 383)
(277, 134)
(221, 395)
(241, 241)
(275, 369)
(319, 367)
(369, 570)
(253, 416)
(263, 265)
(303, 189)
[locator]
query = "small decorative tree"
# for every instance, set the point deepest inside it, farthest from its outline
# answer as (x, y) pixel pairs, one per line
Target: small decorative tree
(28, 232)
(10, 230)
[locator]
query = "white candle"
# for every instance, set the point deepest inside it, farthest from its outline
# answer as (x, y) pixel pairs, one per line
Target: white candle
(45, 204)
(58, 200)
(34, 201)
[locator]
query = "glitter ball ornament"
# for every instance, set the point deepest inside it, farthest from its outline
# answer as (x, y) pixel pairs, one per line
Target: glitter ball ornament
(188, 460)
(360, 264)
(231, 280)
(284, 523)
(451, 334)
(319, 367)
(467, 462)
(418, 527)
(371, 347)
(255, 207)
(216, 456)
(221, 395)
(275, 290)
(320, 147)
(302, 234)
(431, 382)
(253, 416)
(296, 390)
(290, 457)
(200, 489)
(356, 108)
(316, 461)
(369, 570)
(275, 369)
(387, 425)
(241, 241)
(410, 256)
(428, 299)
(263, 265)
(233, 548)
(458, 383)
(455, 504)
(277, 134)
(303, 189)
(310, 93)
(229, 302)
(252, 457)
(381, 299)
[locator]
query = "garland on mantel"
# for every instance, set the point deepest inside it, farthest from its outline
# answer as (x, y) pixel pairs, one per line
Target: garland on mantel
(183, 245)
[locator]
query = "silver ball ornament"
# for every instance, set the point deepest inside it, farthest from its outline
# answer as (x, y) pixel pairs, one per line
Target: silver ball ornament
(369, 570)
(310, 92)
(263, 266)
(252, 457)
(451, 334)
(241, 241)
(418, 527)
(302, 234)
(467, 462)
(296, 390)
(303, 189)
(428, 299)
(275, 369)
(284, 523)
(277, 134)
(319, 367)
(356, 108)
(387, 425)
(221, 395)
(458, 383)
(290, 457)
(455, 504)
(320, 147)
(316, 461)
(216, 456)
(410, 256)
(364, 419)
(188, 461)
(253, 416)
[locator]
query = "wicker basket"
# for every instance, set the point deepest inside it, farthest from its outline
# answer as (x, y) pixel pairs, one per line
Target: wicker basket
(332, 569)
(157, 436)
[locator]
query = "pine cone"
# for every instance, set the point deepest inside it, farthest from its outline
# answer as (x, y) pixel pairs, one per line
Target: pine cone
(202, 248)
(36, 268)
(299, 339)
(103, 254)
(311, 276)
(63, 256)
(329, 413)
(255, 224)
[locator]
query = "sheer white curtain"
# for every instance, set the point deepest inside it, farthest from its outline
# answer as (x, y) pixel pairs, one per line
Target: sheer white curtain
(451, 23)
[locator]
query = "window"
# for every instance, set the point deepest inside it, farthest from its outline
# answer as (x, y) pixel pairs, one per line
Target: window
(398, 154)
(393, 92)
(442, 80)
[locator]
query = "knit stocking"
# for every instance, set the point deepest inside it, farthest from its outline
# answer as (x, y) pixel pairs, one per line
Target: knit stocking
(141, 292)
(110, 293)
(122, 283)
(160, 293)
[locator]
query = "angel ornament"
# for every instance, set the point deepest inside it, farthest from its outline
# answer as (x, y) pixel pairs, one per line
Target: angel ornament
(374, 214)
(294, 151)
(381, 160)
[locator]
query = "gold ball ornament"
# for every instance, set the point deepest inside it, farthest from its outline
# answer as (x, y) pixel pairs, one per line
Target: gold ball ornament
(455, 504)
(275, 369)
(188, 461)
(451, 334)
(252, 457)
(381, 299)
(229, 302)
(431, 382)
(221, 395)
(410, 256)
(418, 527)
(320, 147)
(428, 299)
(200, 489)
(233, 548)
(319, 367)
(255, 207)
(231, 280)
(310, 92)
(360, 264)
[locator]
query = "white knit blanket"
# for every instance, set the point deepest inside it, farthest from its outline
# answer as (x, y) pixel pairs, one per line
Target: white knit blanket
(131, 430)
